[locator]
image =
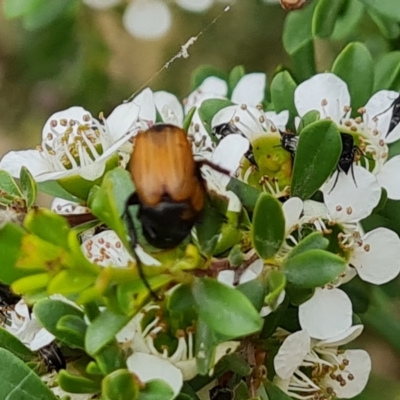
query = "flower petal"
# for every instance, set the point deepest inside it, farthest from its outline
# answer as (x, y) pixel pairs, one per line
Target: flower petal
(359, 366)
(342, 339)
(388, 177)
(169, 107)
(327, 314)
(41, 339)
(351, 200)
(148, 367)
(291, 354)
(279, 120)
(292, 210)
(13, 161)
(122, 119)
(247, 120)
(145, 101)
(378, 259)
(250, 89)
(226, 277)
(252, 271)
(147, 19)
(379, 113)
(325, 93)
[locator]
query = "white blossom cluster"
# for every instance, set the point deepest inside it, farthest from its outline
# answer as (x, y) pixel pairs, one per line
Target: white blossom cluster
(76, 143)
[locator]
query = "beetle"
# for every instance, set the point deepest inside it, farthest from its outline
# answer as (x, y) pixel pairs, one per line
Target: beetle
(229, 128)
(289, 141)
(53, 357)
(221, 392)
(170, 191)
(349, 151)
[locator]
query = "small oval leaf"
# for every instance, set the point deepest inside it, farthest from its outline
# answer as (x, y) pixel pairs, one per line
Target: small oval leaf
(313, 268)
(225, 310)
(268, 229)
(317, 155)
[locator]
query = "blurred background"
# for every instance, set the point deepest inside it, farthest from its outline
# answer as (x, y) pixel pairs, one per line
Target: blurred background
(96, 53)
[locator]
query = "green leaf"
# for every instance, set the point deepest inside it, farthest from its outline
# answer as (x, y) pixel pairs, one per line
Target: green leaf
(297, 30)
(110, 358)
(235, 76)
(53, 188)
(268, 229)
(317, 155)
(9, 190)
(387, 72)
(348, 19)
(247, 194)
(313, 241)
(74, 325)
(389, 28)
(11, 236)
(303, 61)
(28, 186)
(203, 72)
(324, 18)
(108, 202)
(313, 268)
(11, 343)
(120, 385)
(308, 119)
(355, 61)
(204, 347)
(208, 229)
(19, 382)
(188, 119)
(254, 290)
(225, 310)
(276, 285)
(77, 384)
(50, 312)
(49, 226)
(156, 390)
(388, 8)
(274, 393)
(282, 93)
(103, 329)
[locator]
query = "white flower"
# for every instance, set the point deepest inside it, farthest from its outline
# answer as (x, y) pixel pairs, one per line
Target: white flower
(106, 249)
(329, 95)
(308, 369)
(65, 207)
(227, 155)
(329, 310)
(249, 90)
(26, 327)
(75, 143)
(142, 341)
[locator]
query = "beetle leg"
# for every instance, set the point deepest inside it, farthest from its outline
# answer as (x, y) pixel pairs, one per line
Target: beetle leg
(337, 177)
(213, 166)
(134, 200)
(352, 174)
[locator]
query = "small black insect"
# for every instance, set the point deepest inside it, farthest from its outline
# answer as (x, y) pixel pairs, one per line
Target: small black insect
(53, 357)
(349, 151)
(395, 118)
(289, 142)
(221, 392)
(228, 128)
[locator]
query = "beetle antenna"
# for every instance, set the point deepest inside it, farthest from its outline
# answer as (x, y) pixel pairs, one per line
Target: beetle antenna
(183, 52)
(132, 239)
